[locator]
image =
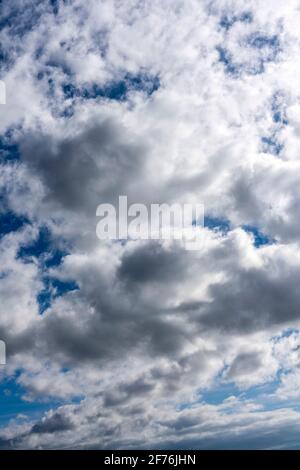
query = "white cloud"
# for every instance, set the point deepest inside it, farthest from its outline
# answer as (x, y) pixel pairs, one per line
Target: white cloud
(152, 326)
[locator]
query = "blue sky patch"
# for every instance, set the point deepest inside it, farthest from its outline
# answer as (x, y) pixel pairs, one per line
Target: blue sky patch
(37, 247)
(55, 6)
(20, 21)
(271, 145)
(227, 21)
(215, 223)
(286, 334)
(54, 288)
(11, 222)
(218, 394)
(279, 109)
(259, 41)
(44, 249)
(267, 48)
(12, 404)
(225, 58)
(9, 149)
(259, 237)
(116, 90)
(54, 258)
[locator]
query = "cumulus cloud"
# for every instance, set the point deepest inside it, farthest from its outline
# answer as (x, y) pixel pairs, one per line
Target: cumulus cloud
(162, 101)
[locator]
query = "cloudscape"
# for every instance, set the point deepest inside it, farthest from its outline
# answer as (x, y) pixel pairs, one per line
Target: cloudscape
(139, 342)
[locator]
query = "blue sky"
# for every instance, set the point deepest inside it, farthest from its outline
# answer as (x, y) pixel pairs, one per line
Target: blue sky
(143, 343)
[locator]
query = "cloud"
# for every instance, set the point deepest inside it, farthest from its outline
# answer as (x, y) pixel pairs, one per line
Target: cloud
(142, 343)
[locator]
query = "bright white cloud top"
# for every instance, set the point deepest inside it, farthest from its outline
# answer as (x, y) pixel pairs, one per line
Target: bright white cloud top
(144, 344)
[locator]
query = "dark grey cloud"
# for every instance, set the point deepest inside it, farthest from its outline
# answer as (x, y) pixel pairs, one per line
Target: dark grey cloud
(95, 165)
(151, 263)
(53, 424)
(244, 364)
(125, 317)
(252, 300)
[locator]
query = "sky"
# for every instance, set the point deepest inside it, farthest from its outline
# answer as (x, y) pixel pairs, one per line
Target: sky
(142, 343)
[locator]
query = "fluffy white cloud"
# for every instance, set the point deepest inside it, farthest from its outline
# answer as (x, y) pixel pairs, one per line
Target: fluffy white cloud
(164, 101)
